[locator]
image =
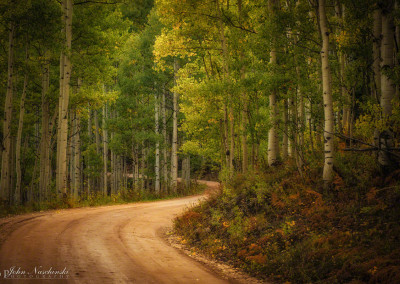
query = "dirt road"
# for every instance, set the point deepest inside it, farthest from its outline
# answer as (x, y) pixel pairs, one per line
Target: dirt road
(110, 244)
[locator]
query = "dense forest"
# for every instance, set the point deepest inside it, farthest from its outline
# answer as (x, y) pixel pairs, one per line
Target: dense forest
(292, 104)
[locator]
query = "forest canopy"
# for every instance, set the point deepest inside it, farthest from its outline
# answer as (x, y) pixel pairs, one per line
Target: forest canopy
(114, 97)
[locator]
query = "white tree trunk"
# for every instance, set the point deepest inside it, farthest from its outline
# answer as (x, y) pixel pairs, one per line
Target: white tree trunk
(327, 97)
(62, 134)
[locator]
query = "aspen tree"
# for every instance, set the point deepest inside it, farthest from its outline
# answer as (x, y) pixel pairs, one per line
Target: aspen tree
(77, 156)
(327, 96)
(376, 52)
(6, 154)
(105, 151)
(388, 88)
(346, 119)
(244, 109)
(45, 138)
(65, 71)
(174, 150)
(285, 142)
(97, 140)
(17, 193)
(157, 163)
(273, 138)
(165, 137)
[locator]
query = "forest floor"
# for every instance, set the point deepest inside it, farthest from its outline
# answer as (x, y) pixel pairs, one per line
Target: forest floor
(109, 244)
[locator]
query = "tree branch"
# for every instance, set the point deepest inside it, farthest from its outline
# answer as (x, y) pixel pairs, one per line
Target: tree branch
(95, 2)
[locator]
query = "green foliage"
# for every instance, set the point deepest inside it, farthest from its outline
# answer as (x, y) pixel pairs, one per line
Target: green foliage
(94, 162)
(96, 199)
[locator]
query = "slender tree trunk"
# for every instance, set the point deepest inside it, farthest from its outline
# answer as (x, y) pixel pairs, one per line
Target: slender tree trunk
(49, 172)
(105, 151)
(164, 133)
(397, 44)
(225, 137)
(12, 167)
(157, 130)
(342, 62)
(63, 102)
(72, 148)
(96, 132)
(293, 133)
(273, 142)
(301, 113)
(388, 88)
(5, 162)
(222, 144)
(244, 123)
(137, 177)
(345, 95)
(77, 157)
(232, 141)
(298, 131)
(285, 142)
(174, 151)
(71, 154)
(186, 171)
(99, 180)
(376, 48)
(89, 179)
(17, 194)
(113, 163)
(112, 177)
(273, 138)
(310, 124)
(142, 168)
(229, 116)
(125, 175)
(299, 125)
(45, 142)
(76, 177)
(376, 66)
(327, 97)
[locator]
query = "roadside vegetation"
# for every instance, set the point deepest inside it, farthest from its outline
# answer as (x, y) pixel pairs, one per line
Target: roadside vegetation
(278, 225)
(98, 199)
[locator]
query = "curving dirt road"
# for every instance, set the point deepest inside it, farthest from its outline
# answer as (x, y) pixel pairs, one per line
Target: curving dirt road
(110, 244)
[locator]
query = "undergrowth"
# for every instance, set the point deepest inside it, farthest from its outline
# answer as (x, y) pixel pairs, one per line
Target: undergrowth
(98, 199)
(281, 226)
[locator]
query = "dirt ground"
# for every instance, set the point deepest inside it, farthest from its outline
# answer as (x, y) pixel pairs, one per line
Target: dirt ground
(109, 244)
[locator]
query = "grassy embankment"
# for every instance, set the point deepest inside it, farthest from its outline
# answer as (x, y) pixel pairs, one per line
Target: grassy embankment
(284, 227)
